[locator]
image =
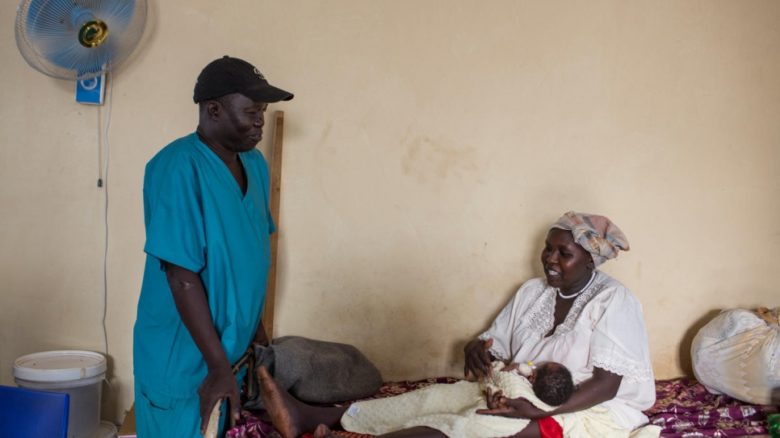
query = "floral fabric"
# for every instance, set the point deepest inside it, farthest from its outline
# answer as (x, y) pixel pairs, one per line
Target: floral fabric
(683, 409)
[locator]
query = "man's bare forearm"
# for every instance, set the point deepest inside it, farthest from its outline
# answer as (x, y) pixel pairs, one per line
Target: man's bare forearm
(189, 294)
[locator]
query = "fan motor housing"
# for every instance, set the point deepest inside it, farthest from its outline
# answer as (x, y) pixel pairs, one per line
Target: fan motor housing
(93, 33)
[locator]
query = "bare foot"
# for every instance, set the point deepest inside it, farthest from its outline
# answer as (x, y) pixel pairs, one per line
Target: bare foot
(279, 405)
(322, 431)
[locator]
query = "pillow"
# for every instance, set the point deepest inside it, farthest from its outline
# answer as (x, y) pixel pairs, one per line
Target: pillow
(316, 371)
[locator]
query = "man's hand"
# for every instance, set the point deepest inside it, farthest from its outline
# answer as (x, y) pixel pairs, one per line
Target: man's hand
(478, 359)
(189, 295)
(219, 384)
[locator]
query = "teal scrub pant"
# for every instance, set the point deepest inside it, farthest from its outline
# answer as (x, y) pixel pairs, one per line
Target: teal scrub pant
(158, 415)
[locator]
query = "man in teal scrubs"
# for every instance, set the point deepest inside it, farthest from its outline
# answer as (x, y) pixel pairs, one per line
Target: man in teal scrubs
(208, 254)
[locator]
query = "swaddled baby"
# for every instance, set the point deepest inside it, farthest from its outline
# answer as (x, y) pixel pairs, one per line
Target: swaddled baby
(551, 382)
(452, 408)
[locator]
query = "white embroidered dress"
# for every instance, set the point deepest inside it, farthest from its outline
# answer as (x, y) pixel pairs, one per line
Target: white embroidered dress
(604, 328)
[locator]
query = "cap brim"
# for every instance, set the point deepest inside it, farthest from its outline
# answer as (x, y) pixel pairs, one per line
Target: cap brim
(267, 94)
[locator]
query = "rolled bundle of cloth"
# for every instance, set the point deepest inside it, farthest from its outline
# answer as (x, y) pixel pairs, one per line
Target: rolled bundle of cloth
(738, 354)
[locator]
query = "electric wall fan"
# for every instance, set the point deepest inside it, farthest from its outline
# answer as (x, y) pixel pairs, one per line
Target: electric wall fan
(78, 39)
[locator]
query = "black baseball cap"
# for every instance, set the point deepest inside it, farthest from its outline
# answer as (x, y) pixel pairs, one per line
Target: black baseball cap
(229, 75)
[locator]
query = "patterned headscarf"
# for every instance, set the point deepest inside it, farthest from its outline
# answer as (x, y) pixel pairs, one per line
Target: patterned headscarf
(596, 234)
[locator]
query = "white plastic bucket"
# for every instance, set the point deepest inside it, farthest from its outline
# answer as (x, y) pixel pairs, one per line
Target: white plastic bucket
(78, 373)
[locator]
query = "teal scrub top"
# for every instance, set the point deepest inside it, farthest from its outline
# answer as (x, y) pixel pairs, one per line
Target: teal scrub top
(197, 217)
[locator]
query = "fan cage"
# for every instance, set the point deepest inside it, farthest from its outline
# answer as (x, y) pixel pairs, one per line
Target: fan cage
(47, 34)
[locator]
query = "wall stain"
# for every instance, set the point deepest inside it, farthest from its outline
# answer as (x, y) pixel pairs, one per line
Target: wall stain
(427, 159)
(325, 134)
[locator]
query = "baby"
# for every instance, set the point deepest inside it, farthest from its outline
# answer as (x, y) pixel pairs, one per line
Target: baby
(454, 409)
(551, 382)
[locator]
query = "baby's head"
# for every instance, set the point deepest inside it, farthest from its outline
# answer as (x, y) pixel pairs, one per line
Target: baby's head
(552, 383)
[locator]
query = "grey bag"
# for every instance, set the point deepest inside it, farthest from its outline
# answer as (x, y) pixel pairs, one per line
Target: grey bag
(316, 371)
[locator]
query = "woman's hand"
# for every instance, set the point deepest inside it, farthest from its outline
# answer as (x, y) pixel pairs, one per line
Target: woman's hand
(501, 406)
(495, 399)
(478, 359)
(218, 384)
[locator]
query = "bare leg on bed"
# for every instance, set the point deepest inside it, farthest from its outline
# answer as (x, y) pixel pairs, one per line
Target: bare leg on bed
(416, 432)
(292, 417)
(289, 416)
(323, 431)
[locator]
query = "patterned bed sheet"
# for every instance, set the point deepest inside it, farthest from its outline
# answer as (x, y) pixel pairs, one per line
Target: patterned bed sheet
(683, 409)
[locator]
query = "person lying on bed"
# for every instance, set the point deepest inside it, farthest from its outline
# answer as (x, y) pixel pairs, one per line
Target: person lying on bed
(452, 409)
(574, 315)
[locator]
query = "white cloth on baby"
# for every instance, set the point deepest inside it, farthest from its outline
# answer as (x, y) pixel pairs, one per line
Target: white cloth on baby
(449, 408)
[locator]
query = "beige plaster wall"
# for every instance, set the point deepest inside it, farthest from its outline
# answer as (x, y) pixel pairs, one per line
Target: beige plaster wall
(429, 145)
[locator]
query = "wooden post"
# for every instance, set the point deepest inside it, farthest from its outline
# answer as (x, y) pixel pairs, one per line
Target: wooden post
(275, 195)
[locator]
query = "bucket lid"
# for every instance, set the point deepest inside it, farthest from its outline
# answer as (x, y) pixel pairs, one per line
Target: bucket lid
(59, 366)
(107, 430)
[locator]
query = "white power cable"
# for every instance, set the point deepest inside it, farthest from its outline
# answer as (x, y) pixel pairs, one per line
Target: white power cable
(104, 183)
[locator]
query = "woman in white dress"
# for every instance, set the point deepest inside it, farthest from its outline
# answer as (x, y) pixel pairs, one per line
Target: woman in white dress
(584, 319)
(575, 315)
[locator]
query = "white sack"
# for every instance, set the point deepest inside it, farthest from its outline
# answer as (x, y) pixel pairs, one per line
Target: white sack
(737, 354)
